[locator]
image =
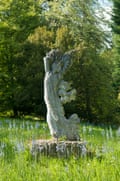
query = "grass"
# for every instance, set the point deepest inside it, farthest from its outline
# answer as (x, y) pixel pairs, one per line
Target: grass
(16, 163)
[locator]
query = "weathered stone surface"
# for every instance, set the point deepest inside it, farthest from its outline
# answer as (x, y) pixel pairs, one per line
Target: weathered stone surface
(54, 148)
(58, 92)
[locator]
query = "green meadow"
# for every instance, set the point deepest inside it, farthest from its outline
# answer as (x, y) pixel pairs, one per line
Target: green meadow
(102, 163)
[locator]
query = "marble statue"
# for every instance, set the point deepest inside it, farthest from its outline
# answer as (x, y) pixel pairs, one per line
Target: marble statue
(57, 92)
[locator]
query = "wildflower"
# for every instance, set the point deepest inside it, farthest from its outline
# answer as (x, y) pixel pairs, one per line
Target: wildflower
(0, 123)
(66, 168)
(31, 126)
(20, 146)
(37, 125)
(110, 132)
(118, 132)
(83, 150)
(90, 129)
(7, 121)
(107, 134)
(84, 129)
(33, 142)
(103, 133)
(10, 125)
(104, 149)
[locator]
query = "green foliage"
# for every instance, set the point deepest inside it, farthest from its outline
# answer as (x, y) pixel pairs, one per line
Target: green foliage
(101, 163)
(28, 30)
(92, 76)
(64, 40)
(18, 20)
(116, 16)
(116, 25)
(21, 16)
(116, 50)
(29, 97)
(91, 72)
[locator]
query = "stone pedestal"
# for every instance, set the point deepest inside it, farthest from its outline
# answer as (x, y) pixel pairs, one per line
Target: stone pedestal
(60, 149)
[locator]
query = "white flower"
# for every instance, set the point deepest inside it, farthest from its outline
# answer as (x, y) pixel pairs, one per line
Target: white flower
(20, 146)
(118, 132)
(83, 151)
(110, 132)
(37, 125)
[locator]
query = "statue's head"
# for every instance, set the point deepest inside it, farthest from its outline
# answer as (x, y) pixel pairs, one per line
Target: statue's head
(54, 55)
(54, 59)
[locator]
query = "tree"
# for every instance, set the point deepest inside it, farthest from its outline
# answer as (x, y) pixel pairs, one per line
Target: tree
(116, 16)
(90, 72)
(31, 28)
(18, 20)
(30, 94)
(116, 51)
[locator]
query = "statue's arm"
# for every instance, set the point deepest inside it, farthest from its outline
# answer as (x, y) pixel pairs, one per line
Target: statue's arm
(66, 61)
(46, 64)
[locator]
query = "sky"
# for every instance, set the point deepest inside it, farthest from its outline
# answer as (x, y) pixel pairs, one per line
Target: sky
(104, 14)
(105, 3)
(107, 8)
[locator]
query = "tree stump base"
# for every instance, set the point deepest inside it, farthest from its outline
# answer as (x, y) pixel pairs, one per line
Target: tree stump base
(54, 148)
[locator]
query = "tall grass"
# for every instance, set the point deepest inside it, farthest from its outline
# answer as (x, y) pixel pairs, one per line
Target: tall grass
(16, 163)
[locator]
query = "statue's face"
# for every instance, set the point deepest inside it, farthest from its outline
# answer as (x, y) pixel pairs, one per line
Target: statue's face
(54, 56)
(50, 57)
